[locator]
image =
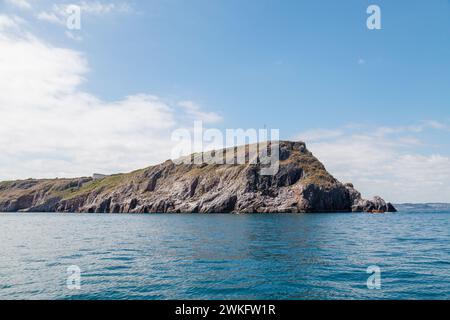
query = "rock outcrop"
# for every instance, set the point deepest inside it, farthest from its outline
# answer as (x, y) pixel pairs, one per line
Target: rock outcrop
(302, 184)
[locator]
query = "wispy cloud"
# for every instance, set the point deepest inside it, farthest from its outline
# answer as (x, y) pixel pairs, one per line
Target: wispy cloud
(320, 134)
(10, 23)
(58, 13)
(22, 4)
(51, 17)
(73, 36)
(194, 110)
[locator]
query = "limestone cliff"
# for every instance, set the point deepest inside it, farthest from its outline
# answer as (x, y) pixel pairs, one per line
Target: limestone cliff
(302, 184)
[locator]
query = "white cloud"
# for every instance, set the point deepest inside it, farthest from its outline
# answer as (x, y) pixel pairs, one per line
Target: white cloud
(22, 4)
(51, 17)
(10, 23)
(58, 13)
(194, 110)
(386, 161)
(320, 134)
(437, 125)
(50, 127)
(98, 8)
(73, 36)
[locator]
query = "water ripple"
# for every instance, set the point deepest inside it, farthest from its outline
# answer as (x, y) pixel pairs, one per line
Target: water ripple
(322, 256)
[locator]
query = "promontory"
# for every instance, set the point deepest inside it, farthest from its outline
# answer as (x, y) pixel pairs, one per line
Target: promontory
(301, 185)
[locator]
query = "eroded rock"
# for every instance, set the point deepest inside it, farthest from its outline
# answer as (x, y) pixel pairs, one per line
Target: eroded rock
(302, 184)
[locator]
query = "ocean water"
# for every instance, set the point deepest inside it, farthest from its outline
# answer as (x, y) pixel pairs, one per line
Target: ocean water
(307, 256)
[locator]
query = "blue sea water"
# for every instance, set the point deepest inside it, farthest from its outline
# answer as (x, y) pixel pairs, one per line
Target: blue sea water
(306, 256)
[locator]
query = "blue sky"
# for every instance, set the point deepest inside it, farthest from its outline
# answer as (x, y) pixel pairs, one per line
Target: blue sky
(310, 68)
(289, 64)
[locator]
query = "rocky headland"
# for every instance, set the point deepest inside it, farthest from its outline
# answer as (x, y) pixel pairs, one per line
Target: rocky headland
(302, 184)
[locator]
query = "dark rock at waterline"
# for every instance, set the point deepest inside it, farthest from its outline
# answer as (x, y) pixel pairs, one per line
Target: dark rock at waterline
(375, 205)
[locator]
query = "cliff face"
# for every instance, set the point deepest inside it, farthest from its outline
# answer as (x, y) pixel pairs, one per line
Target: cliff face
(302, 184)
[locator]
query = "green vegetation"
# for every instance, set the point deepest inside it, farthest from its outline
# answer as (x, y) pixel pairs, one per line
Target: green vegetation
(315, 172)
(106, 184)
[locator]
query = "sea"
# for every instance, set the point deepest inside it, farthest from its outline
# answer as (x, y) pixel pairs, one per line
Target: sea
(327, 256)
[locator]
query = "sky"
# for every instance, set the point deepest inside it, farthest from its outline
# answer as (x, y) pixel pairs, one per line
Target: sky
(372, 105)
